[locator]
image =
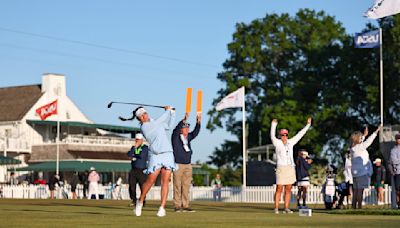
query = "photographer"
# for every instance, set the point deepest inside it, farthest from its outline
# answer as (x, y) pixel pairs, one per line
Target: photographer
(303, 164)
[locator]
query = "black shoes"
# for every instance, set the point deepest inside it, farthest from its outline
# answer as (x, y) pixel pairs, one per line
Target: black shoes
(188, 210)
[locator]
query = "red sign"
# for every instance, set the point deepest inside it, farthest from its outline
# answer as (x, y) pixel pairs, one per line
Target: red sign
(47, 110)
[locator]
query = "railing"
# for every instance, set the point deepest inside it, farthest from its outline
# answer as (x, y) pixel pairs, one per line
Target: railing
(98, 140)
(15, 145)
(261, 194)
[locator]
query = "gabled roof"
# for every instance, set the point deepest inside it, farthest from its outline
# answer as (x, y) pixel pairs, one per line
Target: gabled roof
(16, 101)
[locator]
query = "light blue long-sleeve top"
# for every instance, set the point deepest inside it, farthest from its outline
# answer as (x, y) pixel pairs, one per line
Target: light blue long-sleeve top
(155, 133)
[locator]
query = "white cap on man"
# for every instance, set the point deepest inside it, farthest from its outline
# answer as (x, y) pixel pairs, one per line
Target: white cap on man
(377, 160)
(139, 136)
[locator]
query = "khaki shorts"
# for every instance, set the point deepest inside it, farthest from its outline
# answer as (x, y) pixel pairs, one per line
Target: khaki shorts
(285, 175)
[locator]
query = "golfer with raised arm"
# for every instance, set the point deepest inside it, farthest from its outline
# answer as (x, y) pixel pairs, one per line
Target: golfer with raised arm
(161, 157)
(285, 170)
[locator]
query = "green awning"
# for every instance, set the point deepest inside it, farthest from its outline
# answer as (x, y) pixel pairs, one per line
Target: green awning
(107, 127)
(78, 166)
(8, 161)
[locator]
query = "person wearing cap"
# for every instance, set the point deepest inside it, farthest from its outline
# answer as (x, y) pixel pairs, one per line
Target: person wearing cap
(93, 179)
(181, 138)
(139, 158)
(161, 157)
(394, 168)
(285, 170)
(361, 167)
(303, 164)
(380, 174)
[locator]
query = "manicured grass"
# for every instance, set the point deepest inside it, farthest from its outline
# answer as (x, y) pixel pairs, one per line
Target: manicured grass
(107, 213)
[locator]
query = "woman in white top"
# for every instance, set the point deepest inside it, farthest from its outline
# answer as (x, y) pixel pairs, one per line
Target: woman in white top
(285, 170)
(348, 177)
(361, 167)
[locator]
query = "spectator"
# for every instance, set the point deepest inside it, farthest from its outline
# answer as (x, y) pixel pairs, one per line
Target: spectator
(117, 189)
(361, 167)
(93, 179)
(54, 181)
(216, 183)
(348, 177)
(83, 178)
(395, 168)
(13, 179)
(285, 170)
(74, 183)
(139, 155)
(303, 164)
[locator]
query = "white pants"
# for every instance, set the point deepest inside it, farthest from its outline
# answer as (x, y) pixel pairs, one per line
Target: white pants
(93, 189)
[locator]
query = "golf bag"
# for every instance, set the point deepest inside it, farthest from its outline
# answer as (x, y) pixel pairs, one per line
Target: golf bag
(329, 189)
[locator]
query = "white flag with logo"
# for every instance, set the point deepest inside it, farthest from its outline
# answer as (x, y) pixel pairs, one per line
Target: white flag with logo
(233, 100)
(383, 8)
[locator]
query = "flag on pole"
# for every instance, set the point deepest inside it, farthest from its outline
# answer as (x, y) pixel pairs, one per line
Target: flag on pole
(233, 100)
(47, 110)
(383, 8)
(368, 39)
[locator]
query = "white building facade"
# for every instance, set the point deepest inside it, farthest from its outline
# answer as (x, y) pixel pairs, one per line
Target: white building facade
(24, 136)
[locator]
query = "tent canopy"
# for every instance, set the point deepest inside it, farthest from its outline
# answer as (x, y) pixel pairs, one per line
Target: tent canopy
(79, 166)
(107, 127)
(8, 161)
(83, 165)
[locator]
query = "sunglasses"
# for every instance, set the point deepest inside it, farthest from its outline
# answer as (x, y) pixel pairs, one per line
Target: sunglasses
(284, 135)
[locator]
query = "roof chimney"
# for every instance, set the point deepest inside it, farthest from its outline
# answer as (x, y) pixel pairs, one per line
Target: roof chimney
(53, 85)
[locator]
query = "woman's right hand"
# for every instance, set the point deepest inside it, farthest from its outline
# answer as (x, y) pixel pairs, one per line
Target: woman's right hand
(275, 121)
(379, 128)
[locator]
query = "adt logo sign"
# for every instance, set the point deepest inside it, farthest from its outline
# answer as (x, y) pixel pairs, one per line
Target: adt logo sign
(367, 40)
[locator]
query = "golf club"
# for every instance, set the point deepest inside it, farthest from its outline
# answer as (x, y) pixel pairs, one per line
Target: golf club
(117, 102)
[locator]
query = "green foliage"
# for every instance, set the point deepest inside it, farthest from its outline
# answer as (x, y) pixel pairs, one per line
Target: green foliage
(300, 66)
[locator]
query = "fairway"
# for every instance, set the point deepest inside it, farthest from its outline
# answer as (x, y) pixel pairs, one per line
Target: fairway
(107, 213)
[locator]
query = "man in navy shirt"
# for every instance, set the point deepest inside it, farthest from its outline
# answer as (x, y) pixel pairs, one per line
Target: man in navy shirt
(139, 156)
(181, 138)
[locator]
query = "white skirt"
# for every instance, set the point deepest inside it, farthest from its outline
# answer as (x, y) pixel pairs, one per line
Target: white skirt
(285, 175)
(304, 182)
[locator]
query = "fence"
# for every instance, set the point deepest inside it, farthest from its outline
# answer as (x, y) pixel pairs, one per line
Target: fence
(261, 194)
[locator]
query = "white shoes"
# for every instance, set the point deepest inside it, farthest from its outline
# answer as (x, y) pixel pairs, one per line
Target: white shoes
(381, 203)
(161, 212)
(138, 208)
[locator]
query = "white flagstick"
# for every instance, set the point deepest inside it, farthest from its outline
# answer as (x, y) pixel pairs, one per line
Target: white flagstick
(244, 137)
(381, 71)
(58, 142)
(381, 80)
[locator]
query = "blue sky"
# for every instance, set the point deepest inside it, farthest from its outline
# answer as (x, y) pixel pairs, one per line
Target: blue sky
(150, 33)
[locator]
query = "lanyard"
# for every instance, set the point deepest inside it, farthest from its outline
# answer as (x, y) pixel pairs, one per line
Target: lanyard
(139, 150)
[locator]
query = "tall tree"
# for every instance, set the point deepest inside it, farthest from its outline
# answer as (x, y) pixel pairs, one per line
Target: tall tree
(294, 67)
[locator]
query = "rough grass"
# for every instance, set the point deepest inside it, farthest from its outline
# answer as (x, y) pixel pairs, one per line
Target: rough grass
(107, 213)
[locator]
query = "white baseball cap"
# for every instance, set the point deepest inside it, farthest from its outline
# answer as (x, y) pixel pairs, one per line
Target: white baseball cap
(139, 136)
(140, 111)
(377, 160)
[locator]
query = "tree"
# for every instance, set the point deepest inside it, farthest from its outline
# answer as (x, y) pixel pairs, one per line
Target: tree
(306, 65)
